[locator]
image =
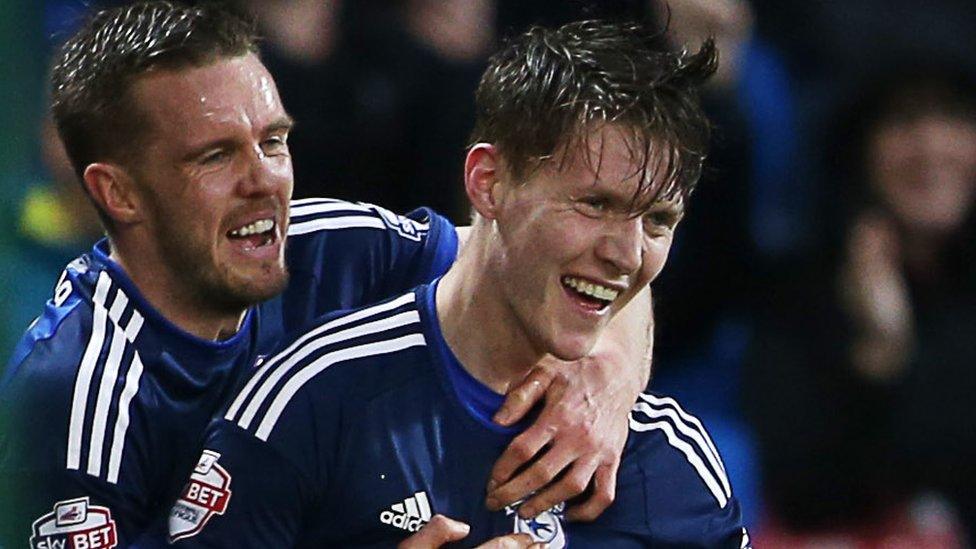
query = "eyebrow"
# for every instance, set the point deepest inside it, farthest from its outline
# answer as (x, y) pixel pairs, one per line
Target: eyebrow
(286, 123)
(282, 123)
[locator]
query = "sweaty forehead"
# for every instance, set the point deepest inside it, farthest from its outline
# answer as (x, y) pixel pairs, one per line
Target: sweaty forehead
(232, 91)
(612, 157)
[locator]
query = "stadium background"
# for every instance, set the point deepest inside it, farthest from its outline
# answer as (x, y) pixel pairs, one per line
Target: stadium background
(751, 334)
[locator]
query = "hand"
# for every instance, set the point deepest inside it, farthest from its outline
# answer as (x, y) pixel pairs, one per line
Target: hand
(874, 292)
(442, 530)
(581, 430)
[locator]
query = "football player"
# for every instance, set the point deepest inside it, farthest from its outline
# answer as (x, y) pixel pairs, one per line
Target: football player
(588, 142)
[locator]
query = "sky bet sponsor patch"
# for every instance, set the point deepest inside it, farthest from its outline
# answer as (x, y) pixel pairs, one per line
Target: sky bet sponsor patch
(73, 524)
(205, 495)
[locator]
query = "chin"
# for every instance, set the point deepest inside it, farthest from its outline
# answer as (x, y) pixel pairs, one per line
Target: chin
(571, 348)
(252, 290)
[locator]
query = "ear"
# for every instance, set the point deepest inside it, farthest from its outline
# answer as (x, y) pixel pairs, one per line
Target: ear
(113, 189)
(482, 172)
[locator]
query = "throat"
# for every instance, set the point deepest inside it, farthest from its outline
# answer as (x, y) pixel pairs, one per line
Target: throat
(488, 347)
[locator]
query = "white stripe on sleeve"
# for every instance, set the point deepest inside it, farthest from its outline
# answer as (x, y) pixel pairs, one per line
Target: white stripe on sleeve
(691, 433)
(689, 453)
(122, 421)
(79, 400)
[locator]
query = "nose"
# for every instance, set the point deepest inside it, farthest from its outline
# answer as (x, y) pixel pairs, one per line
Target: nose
(264, 174)
(622, 245)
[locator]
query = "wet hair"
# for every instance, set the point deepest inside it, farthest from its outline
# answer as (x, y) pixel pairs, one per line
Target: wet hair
(92, 73)
(548, 90)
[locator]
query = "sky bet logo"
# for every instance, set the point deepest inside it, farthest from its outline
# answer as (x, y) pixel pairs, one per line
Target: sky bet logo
(206, 495)
(74, 525)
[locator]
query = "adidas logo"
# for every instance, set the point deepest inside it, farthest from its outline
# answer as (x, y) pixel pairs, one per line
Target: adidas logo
(411, 514)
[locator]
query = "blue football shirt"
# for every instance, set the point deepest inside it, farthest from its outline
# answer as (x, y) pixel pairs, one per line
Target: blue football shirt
(362, 428)
(104, 403)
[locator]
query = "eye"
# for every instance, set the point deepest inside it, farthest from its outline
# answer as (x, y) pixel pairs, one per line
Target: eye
(593, 206)
(214, 157)
(658, 219)
(275, 145)
(661, 221)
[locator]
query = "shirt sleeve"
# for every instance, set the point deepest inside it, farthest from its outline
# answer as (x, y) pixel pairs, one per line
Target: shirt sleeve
(45, 498)
(672, 488)
(242, 493)
(343, 255)
(263, 468)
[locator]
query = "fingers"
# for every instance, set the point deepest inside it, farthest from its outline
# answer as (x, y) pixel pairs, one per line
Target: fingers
(442, 530)
(512, 541)
(572, 484)
(604, 492)
(522, 449)
(540, 473)
(439, 531)
(523, 397)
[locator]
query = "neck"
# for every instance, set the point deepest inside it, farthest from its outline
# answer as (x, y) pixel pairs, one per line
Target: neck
(480, 329)
(183, 308)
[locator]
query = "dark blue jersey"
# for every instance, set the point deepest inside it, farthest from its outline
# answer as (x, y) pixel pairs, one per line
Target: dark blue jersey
(104, 404)
(365, 426)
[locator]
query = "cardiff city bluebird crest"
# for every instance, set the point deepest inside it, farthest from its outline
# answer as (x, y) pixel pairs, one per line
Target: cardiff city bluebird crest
(546, 527)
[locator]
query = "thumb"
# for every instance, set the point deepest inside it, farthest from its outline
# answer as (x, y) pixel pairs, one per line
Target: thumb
(437, 532)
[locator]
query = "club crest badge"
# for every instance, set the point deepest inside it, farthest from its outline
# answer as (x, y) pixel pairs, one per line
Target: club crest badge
(74, 524)
(546, 527)
(206, 495)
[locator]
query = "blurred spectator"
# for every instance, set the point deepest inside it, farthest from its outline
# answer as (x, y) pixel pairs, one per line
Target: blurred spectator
(861, 381)
(830, 46)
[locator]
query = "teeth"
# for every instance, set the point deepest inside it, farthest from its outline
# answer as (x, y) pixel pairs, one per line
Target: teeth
(258, 227)
(591, 289)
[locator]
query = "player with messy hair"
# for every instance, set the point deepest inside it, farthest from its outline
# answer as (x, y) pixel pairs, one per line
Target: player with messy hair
(375, 423)
(544, 93)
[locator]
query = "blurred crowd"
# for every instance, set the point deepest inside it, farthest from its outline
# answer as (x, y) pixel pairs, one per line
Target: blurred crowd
(819, 307)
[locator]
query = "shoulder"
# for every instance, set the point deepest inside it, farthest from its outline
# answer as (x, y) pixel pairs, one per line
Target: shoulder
(323, 215)
(75, 371)
(343, 254)
(670, 438)
(335, 360)
(61, 332)
(672, 470)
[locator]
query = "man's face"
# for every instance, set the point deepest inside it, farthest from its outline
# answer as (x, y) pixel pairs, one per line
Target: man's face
(215, 179)
(570, 253)
(925, 170)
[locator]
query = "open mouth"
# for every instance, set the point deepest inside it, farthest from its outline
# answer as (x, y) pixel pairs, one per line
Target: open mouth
(255, 234)
(593, 295)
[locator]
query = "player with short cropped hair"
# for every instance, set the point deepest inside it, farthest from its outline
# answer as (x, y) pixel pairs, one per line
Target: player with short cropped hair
(178, 135)
(373, 421)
